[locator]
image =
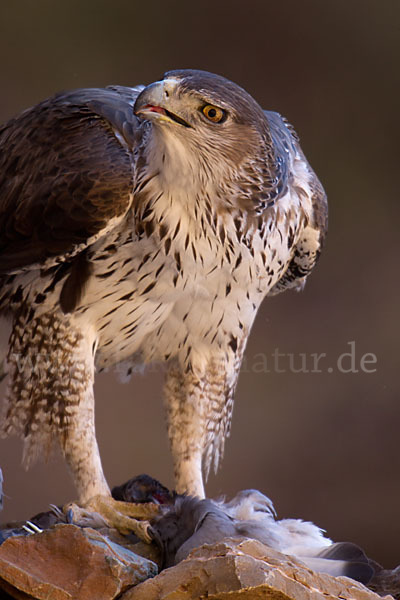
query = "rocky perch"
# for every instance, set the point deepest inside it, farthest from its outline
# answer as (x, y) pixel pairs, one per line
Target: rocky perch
(69, 562)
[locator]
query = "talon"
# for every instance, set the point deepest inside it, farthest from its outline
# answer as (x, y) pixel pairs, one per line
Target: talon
(153, 534)
(71, 512)
(56, 510)
(144, 528)
(69, 516)
(31, 528)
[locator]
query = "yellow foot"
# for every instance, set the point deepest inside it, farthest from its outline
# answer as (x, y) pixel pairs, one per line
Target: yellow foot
(126, 517)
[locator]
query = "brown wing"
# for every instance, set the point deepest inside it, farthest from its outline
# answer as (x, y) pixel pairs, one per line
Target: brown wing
(309, 246)
(65, 174)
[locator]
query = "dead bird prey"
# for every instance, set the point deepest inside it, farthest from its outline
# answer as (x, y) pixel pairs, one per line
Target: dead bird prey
(192, 522)
(141, 225)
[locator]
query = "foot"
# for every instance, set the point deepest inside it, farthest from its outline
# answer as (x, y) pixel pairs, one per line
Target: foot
(126, 517)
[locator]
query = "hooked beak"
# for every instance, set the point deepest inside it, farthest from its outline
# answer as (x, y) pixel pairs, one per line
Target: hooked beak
(154, 103)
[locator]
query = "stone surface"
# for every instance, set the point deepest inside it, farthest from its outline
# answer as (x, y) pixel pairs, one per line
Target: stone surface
(149, 551)
(245, 569)
(67, 562)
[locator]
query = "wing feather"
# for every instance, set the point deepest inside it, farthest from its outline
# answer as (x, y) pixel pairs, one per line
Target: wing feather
(308, 248)
(66, 174)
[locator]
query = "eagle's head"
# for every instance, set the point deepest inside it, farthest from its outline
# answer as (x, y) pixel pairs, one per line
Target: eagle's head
(205, 128)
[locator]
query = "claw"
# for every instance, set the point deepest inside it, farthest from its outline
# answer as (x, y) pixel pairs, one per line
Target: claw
(143, 531)
(83, 516)
(56, 510)
(69, 516)
(31, 528)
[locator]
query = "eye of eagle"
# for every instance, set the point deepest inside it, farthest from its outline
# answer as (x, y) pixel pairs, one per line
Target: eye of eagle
(213, 113)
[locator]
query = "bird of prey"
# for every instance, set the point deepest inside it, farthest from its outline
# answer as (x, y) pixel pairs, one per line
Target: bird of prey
(143, 225)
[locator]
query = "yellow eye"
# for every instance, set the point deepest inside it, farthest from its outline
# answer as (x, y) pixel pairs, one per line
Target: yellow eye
(213, 113)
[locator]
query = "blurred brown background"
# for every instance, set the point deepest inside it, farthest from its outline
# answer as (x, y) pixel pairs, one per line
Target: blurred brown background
(324, 446)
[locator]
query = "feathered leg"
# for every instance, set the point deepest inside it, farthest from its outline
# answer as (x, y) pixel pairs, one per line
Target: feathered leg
(185, 403)
(50, 395)
(199, 409)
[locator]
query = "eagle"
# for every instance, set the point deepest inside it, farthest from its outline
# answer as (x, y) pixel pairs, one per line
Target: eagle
(144, 225)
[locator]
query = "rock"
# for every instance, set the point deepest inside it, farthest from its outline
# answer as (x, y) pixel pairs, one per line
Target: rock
(67, 562)
(245, 569)
(149, 551)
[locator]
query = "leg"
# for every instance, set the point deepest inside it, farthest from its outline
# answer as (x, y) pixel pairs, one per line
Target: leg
(186, 430)
(199, 408)
(50, 395)
(82, 453)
